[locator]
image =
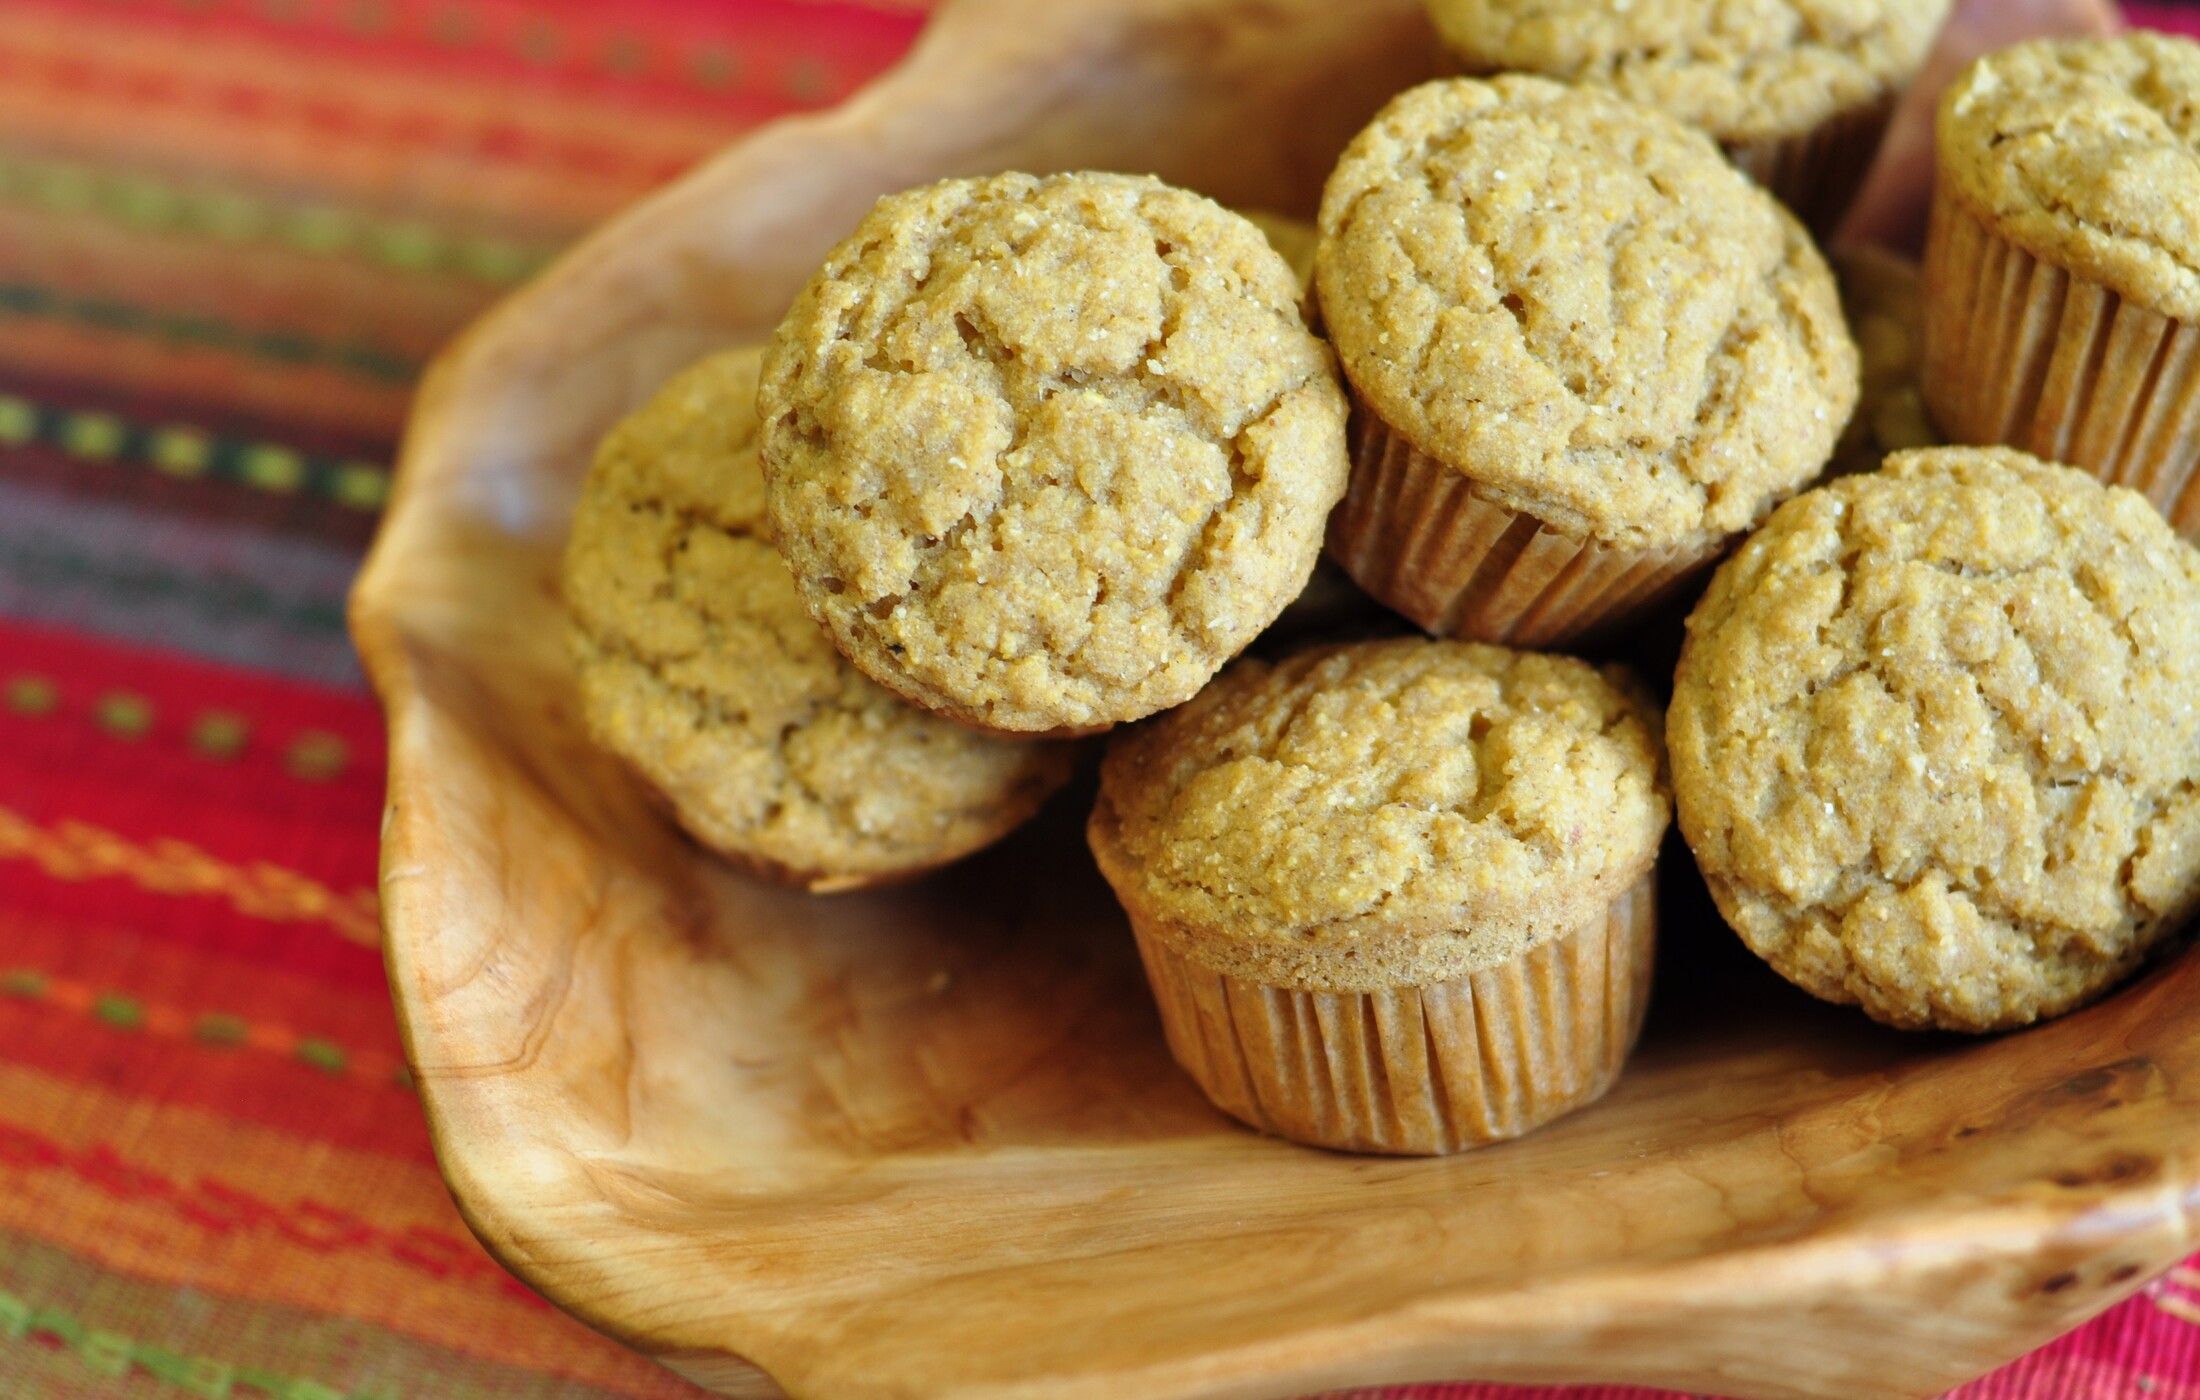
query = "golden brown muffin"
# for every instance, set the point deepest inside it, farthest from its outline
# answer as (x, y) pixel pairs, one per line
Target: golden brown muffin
(1587, 351)
(1424, 837)
(1936, 738)
(1881, 297)
(2063, 264)
(1045, 453)
(1799, 91)
(698, 667)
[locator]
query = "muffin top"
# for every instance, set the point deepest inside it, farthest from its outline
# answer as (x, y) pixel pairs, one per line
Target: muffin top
(1579, 305)
(1936, 738)
(1884, 303)
(1044, 453)
(699, 667)
(1743, 70)
(2087, 154)
(1383, 813)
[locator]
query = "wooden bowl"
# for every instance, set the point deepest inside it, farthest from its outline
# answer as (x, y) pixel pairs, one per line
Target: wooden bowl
(929, 1141)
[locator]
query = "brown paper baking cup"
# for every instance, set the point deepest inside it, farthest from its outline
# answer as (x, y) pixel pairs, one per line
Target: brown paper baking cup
(1416, 535)
(2022, 353)
(1818, 173)
(1417, 1070)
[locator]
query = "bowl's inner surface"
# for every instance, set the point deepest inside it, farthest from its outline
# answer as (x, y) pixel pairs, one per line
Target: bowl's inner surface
(933, 1132)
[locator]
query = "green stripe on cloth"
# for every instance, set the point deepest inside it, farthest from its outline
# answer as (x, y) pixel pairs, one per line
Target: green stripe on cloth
(187, 328)
(184, 451)
(224, 216)
(128, 583)
(69, 1327)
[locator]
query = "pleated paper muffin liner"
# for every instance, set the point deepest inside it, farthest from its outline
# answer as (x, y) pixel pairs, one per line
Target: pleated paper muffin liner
(2022, 353)
(1416, 535)
(1818, 173)
(1417, 1070)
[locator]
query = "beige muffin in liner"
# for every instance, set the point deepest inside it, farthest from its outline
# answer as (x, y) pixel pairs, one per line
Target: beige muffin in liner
(1798, 94)
(1934, 739)
(697, 667)
(1394, 896)
(1584, 352)
(2062, 269)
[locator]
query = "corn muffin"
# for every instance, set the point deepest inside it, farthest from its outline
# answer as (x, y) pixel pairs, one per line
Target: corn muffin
(2062, 267)
(1044, 453)
(698, 667)
(1585, 353)
(1799, 92)
(1394, 896)
(1936, 738)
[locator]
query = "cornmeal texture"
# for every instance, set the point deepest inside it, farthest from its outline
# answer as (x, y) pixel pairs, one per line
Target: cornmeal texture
(1043, 454)
(1936, 738)
(700, 668)
(1743, 70)
(1580, 306)
(2086, 153)
(1384, 813)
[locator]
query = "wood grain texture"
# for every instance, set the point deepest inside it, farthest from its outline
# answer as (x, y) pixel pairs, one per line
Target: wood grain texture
(929, 1141)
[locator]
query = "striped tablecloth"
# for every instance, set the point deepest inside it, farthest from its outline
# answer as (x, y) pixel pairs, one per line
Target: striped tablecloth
(231, 232)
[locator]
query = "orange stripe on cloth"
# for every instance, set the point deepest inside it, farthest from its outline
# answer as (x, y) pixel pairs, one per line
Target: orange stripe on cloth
(259, 292)
(374, 132)
(193, 1199)
(309, 396)
(66, 1323)
(73, 850)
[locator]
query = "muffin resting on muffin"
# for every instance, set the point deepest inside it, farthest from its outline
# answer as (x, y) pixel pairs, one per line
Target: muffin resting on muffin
(1396, 895)
(699, 668)
(1799, 91)
(2062, 270)
(1586, 351)
(1045, 453)
(1936, 738)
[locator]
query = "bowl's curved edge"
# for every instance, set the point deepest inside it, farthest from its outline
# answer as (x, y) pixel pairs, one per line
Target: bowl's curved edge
(1553, 1332)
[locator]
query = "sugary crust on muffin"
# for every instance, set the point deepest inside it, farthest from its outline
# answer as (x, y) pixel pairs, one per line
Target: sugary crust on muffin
(1936, 738)
(1044, 453)
(698, 667)
(1581, 306)
(1383, 814)
(2086, 153)
(1743, 70)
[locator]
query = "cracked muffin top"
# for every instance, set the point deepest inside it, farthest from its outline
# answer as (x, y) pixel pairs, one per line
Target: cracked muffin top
(1580, 306)
(1743, 70)
(2087, 153)
(698, 666)
(1936, 738)
(1383, 813)
(1045, 453)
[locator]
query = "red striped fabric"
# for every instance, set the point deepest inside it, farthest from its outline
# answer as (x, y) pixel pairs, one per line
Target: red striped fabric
(230, 232)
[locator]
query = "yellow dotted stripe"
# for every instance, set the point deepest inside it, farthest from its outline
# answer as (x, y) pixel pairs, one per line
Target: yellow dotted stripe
(119, 1359)
(188, 453)
(73, 850)
(313, 755)
(212, 1030)
(627, 54)
(232, 217)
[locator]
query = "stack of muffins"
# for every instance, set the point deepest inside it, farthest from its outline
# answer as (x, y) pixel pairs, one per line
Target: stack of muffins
(1033, 458)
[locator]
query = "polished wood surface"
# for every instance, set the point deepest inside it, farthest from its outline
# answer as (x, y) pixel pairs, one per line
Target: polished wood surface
(929, 1141)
